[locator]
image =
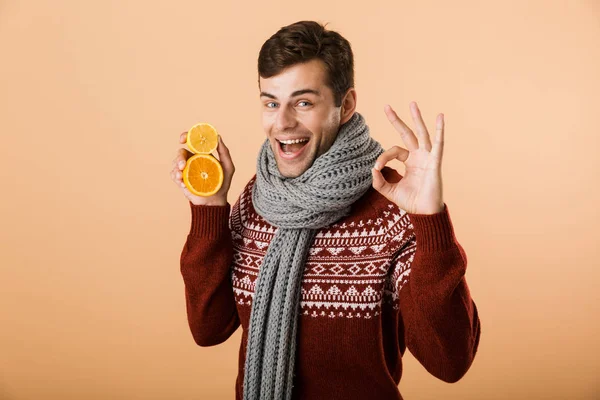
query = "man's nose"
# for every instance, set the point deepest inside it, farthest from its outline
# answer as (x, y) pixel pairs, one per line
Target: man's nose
(286, 119)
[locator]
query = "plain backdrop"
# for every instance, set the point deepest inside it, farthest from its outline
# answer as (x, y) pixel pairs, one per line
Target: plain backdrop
(93, 97)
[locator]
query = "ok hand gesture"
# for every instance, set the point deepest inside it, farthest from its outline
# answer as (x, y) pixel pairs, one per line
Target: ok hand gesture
(420, 189)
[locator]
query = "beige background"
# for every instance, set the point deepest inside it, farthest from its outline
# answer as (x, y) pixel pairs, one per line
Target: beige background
(93, 96)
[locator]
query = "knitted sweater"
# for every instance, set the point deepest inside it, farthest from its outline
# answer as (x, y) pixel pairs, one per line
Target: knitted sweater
(376, 282)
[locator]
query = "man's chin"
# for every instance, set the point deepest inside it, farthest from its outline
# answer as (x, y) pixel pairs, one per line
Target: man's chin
(291, 171)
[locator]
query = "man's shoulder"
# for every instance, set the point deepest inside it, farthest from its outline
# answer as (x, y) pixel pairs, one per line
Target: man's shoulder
(249, 184)
(246, 192)
(242, 207)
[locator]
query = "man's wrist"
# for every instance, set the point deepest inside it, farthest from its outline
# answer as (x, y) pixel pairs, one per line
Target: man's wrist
(211, 202)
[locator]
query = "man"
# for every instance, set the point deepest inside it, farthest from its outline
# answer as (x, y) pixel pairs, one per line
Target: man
(332, 262)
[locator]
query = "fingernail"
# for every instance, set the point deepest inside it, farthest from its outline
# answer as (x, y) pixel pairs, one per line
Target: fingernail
(181, 164)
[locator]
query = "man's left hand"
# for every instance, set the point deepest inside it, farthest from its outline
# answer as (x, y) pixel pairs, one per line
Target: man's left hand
(420, 189)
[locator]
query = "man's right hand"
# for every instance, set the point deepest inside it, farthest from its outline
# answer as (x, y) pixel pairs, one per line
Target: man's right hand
(217, 199)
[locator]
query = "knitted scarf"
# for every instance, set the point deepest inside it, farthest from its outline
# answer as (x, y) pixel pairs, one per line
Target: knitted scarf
(298, 207)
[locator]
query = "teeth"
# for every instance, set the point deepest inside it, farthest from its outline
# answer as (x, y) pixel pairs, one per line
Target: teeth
(293, 141)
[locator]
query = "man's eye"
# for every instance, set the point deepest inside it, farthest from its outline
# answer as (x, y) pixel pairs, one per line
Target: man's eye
(270, 103)
(307, 103)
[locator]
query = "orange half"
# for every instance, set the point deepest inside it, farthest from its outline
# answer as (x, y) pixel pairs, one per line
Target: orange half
(203, 175)
(202, 138)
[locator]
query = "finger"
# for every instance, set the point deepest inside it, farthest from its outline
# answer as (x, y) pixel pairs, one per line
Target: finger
(422, 134)
(174, 175)
(176, 159)
(225, 158)
(395, 152)
(177, 178)
(183, 137)
(405, 133)
(182, 157)
(379, 182)
(438, 146)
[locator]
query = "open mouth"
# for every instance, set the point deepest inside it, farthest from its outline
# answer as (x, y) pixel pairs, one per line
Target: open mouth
(292, 148)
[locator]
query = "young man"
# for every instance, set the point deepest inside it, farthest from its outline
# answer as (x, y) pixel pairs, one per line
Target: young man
(332, 263)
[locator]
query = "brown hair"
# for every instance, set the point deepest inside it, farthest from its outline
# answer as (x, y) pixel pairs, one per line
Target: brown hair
(304, 41)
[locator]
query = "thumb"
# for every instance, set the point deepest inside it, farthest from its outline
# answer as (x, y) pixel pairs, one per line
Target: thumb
(225, 159)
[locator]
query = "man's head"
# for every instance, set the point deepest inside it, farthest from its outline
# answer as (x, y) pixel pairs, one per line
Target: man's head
(306, 82)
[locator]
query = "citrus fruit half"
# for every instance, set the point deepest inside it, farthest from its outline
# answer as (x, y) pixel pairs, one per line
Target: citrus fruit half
(203, 175)
(202, 138)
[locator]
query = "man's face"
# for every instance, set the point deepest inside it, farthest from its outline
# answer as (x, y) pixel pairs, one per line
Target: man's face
(298, 106)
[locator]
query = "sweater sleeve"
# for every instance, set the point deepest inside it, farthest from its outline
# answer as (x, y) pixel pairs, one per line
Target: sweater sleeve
(440, 319)
(205, 266)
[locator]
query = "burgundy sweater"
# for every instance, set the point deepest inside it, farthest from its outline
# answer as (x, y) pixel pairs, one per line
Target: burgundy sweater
(376, 282)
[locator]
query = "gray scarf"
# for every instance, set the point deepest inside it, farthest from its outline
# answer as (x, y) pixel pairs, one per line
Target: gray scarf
(297, 206)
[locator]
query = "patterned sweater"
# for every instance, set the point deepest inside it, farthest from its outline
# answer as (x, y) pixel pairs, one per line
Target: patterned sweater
(375, 283)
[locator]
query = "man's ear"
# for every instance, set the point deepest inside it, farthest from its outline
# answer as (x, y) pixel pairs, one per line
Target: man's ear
(348, 106)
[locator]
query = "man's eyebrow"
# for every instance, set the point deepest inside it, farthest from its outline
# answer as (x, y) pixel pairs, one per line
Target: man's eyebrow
(296, 93)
